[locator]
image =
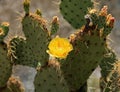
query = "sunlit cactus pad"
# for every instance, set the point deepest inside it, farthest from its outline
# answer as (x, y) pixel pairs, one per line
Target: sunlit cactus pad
(32, 51)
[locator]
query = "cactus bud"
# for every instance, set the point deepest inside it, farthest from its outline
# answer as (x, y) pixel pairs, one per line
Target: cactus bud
(103, 11)
(110, 20)
(55, 25)
(38, 12)
(26, 5)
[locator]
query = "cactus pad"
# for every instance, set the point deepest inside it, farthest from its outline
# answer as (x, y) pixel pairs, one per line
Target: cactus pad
(89, 49)
(37, 37)
(32, 50)
(49, 79)
(5, 66)
(74, 11)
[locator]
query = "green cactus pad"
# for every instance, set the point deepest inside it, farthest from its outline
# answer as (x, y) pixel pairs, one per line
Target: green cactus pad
(33, 50)
(49, 79)
(74, 11)
(37, 37)
(20, 53)
(5, 66)
(89, 49)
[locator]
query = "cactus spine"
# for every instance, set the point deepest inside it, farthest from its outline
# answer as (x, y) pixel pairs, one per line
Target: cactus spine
(109, 81)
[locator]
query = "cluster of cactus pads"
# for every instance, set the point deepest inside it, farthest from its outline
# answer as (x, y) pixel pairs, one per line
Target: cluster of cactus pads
(60, 75)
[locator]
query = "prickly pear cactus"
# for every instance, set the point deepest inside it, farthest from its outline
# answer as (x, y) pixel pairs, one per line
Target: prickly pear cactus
(5, 64)
(89, 48)
(50, 79)
(81, 62)
(74, 11)
(32, 50)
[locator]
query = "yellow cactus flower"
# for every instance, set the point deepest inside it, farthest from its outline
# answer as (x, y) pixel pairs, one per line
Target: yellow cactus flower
(59, 47)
